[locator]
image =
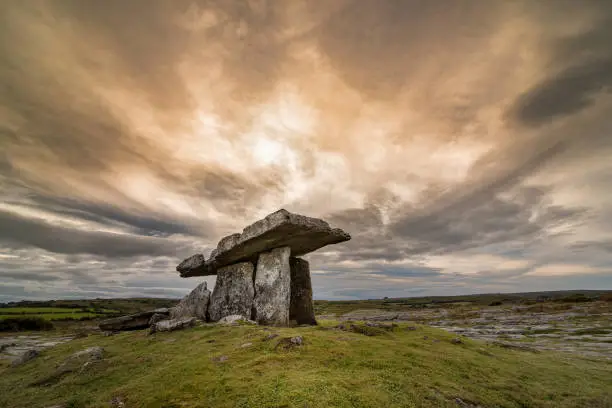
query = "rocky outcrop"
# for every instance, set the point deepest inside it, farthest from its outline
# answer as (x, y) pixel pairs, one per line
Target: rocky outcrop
(131, 322)
(77, 362)
(233, 293)
(172, 325)
(301, 309)
(272, 288)
(278, 290)
(195, 304)
(300, 233)
(25, 357)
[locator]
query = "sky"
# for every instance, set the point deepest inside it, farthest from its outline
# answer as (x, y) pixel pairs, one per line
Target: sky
(466, 146)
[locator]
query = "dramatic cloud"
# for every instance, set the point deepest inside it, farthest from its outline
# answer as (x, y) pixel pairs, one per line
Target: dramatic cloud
(465, 146)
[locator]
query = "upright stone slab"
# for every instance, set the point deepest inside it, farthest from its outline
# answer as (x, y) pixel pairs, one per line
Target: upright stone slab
(273, 287)
(302, 308)
(195, 304)
(233, 293)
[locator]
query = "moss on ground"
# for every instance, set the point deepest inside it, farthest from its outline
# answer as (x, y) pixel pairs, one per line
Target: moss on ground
(333, 368)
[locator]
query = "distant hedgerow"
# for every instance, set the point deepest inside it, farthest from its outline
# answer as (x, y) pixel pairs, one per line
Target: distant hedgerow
(24, 323)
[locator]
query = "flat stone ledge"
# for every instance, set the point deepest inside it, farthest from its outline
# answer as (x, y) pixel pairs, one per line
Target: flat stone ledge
(300, 233)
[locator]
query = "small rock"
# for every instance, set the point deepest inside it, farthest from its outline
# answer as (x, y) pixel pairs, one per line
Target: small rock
(25, 357)
(270, 336)
(245, 345)
(411, 328)
(297, 340)
(289, 342)
(220, 359)
(117, 402)
(107, 333)
(464, 404)
(456, 340)
(211, 341)
(425, 337)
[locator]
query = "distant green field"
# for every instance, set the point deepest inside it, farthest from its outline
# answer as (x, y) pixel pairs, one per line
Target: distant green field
(53, 313)
(53, 316)
(36, 310)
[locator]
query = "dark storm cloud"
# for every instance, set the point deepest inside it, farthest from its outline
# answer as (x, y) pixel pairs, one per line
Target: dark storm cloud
(20, 231)
(520, 215)
(144, 224)
(604, 246)
(24, 275)
(488, 220)
(580, 71)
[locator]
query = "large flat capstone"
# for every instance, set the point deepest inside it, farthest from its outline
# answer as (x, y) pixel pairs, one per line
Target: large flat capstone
(300, 233)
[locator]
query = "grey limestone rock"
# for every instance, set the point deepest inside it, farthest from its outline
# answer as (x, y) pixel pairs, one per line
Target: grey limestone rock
(233, 293)
(81, 358)
(272, 287)
(301, 309)
(300, 233)
(235, 320)
(25, 357)
(173, 324)
(157, 317)
(195, 304)
(135, 321)
(287, 343)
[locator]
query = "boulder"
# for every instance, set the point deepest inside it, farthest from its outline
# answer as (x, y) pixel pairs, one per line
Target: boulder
(76, 362)
(25, 357)
(173, 324)
(233, 293)
(280, 229)
(301, 307)
(135, 321)
(272, 288)
(195, 304)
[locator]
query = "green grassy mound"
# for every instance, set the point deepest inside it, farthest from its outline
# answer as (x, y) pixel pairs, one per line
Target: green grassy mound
(401, 367)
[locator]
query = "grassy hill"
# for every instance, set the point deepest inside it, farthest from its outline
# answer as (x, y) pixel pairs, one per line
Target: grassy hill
(419, 367)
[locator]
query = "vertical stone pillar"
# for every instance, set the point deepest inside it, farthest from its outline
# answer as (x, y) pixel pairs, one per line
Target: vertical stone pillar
(233, 293)
(195, 304)
(302, 308)
(273, 287)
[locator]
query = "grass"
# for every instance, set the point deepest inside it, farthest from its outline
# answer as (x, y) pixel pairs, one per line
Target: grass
(398, 368)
